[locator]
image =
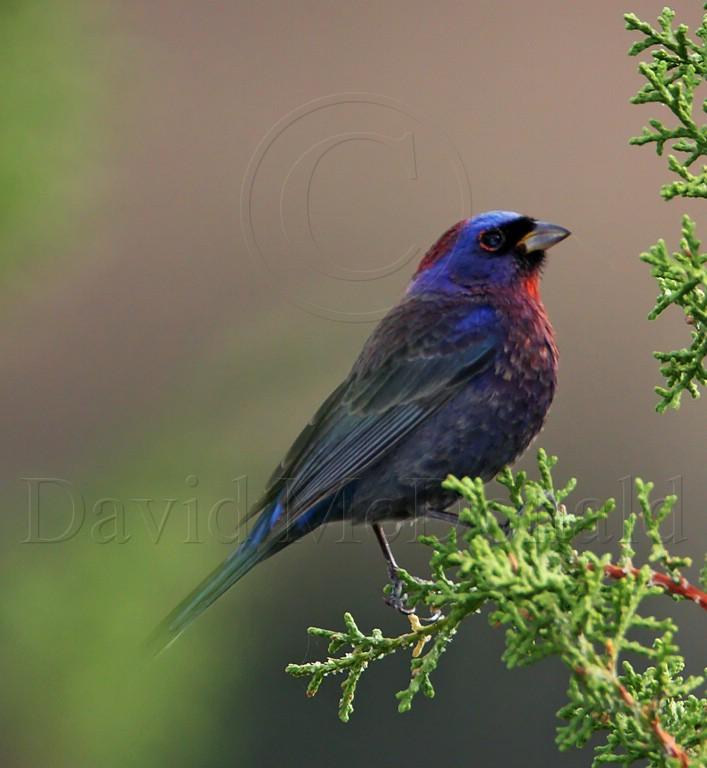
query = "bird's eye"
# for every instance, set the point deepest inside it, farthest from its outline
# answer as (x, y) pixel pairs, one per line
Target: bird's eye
(491, 239)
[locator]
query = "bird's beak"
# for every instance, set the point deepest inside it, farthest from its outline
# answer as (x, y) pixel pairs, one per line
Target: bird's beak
(543, 236)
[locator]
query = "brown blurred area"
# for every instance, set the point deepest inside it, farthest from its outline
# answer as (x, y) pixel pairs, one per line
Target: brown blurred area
(158, 343)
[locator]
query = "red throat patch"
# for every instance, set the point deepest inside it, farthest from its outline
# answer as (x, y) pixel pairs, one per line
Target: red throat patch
(532, 286)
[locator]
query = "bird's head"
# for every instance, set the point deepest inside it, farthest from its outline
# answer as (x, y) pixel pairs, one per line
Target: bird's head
(498, 248)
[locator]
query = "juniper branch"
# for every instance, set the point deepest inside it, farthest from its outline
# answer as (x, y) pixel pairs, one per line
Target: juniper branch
(675, 71)
(682, 278)
(554, 599)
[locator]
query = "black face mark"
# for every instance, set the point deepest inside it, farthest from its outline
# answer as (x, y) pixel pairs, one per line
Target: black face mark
(530, 262)
(504, 240)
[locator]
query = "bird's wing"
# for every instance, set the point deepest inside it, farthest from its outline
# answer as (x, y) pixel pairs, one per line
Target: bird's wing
(414, 361)
(412, 364)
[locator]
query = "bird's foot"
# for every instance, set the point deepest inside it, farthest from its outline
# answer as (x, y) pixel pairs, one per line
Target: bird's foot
(397, 597)
(433, 617)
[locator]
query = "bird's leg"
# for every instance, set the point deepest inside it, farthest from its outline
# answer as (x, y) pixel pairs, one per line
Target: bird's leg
(396, 599)
(549, 496)
(444, 516)
(452, 519)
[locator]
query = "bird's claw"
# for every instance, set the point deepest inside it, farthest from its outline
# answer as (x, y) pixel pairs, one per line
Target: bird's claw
(433, 617)
(397, 599)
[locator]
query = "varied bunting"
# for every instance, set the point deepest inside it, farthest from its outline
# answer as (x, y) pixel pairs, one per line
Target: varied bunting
(456, 379)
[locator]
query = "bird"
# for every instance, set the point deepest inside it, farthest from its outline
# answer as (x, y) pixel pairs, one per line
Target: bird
(457, 378)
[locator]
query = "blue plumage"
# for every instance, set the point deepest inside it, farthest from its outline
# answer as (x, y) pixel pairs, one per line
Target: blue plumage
(457, 378)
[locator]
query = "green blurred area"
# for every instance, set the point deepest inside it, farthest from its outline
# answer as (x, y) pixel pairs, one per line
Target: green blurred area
(49, 94)
(80, 610)
(76, 690)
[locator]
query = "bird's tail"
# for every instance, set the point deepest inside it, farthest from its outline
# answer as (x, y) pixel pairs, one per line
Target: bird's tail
(211, 588)
(260, 544)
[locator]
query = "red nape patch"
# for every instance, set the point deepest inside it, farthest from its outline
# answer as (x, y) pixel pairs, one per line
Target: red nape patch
(440, 247)
(532, 286)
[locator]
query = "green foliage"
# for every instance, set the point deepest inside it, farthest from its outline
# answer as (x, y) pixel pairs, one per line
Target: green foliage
(49, 93)
(519, 561)
(678, 66)
(682, 277)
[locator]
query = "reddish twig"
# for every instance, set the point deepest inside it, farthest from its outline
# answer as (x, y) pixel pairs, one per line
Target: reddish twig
(671, 747)
(625, 695)
(667, 740)
(680, 587)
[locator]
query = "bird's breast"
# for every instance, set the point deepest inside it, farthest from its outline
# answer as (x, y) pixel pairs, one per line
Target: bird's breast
(494, 417)
(489, 421)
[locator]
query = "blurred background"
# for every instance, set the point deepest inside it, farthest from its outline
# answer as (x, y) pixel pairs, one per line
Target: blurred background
(203, 210)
